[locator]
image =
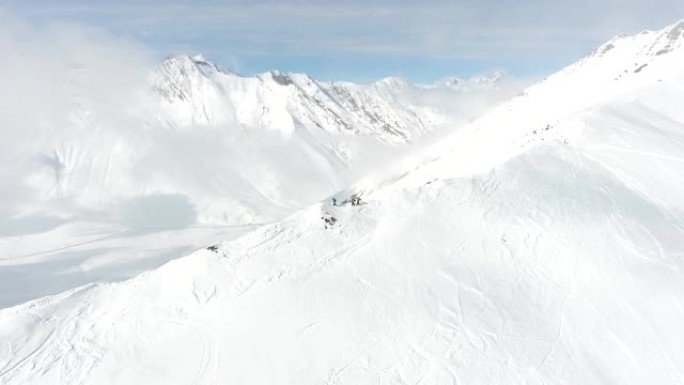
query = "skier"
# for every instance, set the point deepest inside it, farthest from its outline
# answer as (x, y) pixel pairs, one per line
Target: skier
(329, 221)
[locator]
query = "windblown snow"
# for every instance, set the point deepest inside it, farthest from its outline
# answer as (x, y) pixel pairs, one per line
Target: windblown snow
(540, 243)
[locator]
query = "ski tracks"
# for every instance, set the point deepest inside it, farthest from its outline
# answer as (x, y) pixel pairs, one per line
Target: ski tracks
(73, 358)
(207, 372)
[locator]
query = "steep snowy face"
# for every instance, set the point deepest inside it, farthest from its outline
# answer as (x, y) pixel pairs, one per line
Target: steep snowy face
(647, 43)
(187, 86)
(557, 109)
(625, 62)
(179, 73)
(614, 73)
(196, 92)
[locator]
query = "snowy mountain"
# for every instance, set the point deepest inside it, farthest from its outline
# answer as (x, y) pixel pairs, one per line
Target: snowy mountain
(539, 244)
(97, 187)
(196, 91)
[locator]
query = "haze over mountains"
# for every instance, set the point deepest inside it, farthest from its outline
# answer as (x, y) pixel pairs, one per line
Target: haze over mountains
(103, 189)
(537, 243)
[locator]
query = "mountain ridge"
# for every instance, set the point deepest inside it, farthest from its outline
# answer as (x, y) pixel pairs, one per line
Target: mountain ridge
(290, 100)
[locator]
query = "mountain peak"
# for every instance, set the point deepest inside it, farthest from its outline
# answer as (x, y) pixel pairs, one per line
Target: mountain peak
(198, 58)
(282, 78)
(457, 83)
(395, 82)
(176, 75)
(647, 43)
(669, 39)
(450, 81)
(188, 64)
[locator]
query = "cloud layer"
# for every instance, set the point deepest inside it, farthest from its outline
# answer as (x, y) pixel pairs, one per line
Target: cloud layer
(58, 82)
(532, 35)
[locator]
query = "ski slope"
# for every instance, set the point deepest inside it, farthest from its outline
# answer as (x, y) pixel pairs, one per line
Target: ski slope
(539, 244)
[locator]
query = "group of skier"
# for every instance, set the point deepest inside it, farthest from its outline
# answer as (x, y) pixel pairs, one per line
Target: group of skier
(329, 220)
(355, 200)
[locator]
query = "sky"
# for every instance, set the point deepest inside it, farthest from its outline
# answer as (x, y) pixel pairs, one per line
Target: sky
(364, 40)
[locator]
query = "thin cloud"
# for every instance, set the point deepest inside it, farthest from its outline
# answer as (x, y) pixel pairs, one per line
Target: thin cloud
(490, 31)
(59, 80)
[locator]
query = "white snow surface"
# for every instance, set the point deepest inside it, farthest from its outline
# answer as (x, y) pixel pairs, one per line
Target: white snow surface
(540, 244)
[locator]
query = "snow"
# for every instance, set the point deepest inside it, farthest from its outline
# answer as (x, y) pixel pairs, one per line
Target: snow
(198, 92)
(539, 244)
(100, 186)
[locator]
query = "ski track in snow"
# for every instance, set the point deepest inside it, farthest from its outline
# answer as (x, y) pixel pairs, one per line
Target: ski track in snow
(209, 360)
(128, 231)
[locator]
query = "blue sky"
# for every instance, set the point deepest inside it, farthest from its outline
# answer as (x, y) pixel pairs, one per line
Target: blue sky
(365, 40)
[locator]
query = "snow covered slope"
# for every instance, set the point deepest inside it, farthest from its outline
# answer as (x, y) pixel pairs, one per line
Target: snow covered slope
(99, 187)
(541, 244)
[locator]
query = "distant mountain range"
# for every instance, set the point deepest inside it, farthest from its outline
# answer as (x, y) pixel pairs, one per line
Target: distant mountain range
(196, 91)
